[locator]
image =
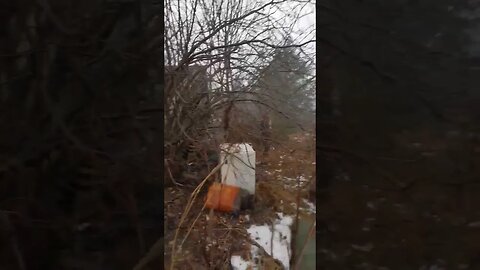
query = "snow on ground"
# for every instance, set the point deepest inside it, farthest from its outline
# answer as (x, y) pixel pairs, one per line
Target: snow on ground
(238, 263)
(278, 245)
(311, 208)
(289, 182)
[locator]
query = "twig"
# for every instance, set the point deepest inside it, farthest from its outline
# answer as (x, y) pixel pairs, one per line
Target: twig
(187, 56)
(247, 237)
(171, 175)
(245, 42)
(187, 211)
(191, 226)
(251, 241)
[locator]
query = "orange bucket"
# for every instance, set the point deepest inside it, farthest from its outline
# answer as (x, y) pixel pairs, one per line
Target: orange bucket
(223, 198)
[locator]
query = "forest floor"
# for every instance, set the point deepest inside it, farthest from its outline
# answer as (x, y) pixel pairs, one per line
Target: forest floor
(223, 241)
(362, 225)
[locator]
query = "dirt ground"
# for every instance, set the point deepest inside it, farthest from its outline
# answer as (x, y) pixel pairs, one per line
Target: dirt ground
(215, 237)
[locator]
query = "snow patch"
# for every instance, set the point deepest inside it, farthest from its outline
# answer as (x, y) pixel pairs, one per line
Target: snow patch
(238, 263)
(276, 243)
(311, 208)
(303, 179)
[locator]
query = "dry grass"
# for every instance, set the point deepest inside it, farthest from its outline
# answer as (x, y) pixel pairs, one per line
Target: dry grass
(275, 183)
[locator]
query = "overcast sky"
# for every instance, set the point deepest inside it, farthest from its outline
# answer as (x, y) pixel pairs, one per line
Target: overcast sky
(296, 18)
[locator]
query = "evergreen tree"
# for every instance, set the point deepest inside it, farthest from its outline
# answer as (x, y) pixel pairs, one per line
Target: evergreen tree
(288, 85)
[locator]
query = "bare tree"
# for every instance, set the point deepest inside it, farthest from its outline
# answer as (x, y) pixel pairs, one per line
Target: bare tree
(232, 41)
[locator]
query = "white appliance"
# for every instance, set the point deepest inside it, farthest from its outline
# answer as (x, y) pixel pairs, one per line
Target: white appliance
(238, 165)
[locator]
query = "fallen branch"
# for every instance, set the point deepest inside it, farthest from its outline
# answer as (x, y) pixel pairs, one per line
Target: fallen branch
(240, 232)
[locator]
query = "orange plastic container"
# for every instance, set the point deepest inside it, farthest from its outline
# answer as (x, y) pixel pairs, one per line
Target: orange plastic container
(224, 198)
